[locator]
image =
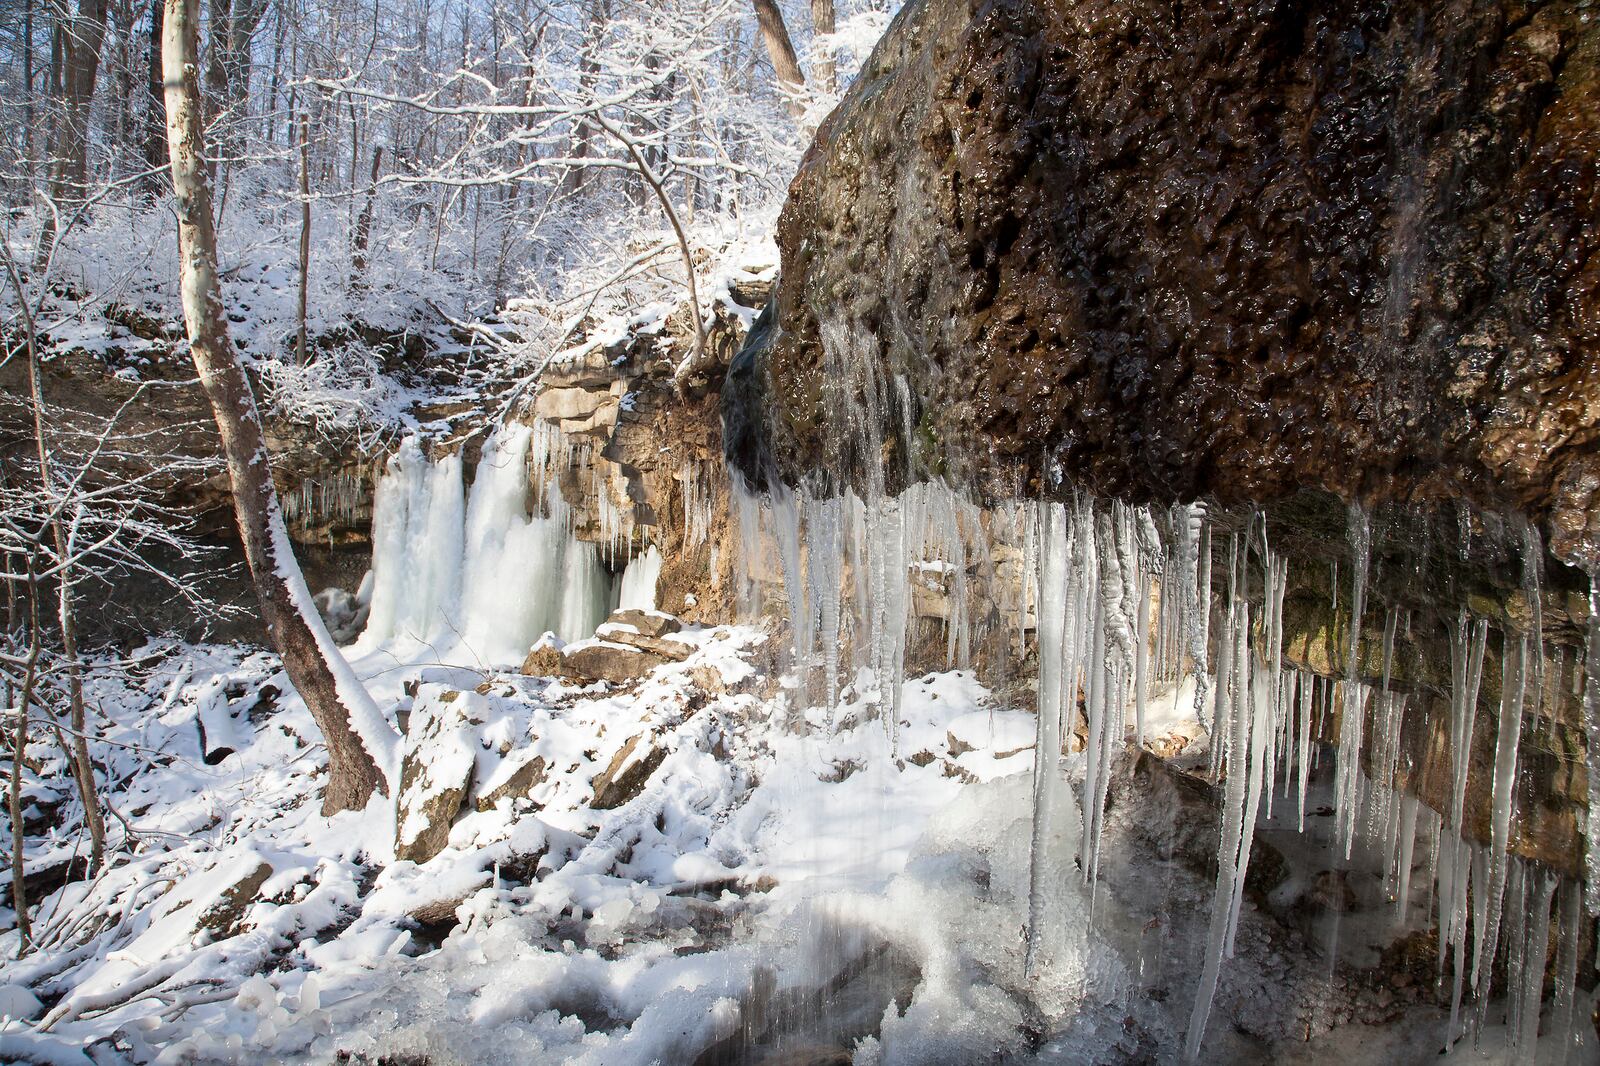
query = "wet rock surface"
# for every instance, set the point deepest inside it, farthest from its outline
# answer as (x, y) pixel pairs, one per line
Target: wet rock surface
(1162, 252)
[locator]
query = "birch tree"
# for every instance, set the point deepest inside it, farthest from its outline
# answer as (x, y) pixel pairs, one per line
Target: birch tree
(360, 742)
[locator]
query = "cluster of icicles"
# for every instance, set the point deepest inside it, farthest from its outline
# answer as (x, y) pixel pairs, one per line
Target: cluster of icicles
(338, 498)
(485, 574)
(1120, 610)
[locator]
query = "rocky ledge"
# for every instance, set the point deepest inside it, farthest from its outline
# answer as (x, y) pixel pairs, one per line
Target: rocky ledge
(1165, 252)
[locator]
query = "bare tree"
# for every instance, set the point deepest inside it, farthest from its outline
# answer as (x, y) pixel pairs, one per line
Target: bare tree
(785, 64)
(822, 24)
(305, 241)
(79, 38)
(155, 121)
(360, 742)
(233, 25)
(363, 231)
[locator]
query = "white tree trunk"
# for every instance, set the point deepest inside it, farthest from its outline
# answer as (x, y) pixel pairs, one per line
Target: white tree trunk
(360, 742)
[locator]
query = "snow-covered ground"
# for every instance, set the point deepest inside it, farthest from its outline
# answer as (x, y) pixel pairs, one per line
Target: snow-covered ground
(763, 859)
(775, 887)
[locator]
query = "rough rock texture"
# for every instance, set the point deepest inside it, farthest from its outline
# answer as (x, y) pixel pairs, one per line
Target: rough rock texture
(641, 462)
(625, 777)
(523, 780)
(222, 918)
(600, 660)
(665, 647)
(1162, 251)
(435, 771)
(649, 623)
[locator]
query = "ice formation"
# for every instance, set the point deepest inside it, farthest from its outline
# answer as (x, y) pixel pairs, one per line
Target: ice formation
(479, 571)
(638, 588)
(337, 498)
(1119, 603)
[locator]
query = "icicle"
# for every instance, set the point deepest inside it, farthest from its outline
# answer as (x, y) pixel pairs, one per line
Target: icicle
(1388, 715)
(1533, 590)
(1353, 695)
(1517, 879)
(1233, 832)
(1570, 916)
(1308, 686)
(1466, 870)
(1200, 623)
(1408, 842)
(698, 503)
(1467, 642)
(1189, 602)
(786, 531)
(1535, 955)
(824, 569)
(1096, 699)
(1141, 661)
(892, 576)
(745, 508)
(1027, 593)
(1276, 580)
(1347, 782)
(1223, 708)
(1505, 775)
(1060, 611)
(1258, 699)
(1591, 728)
(1481, 918)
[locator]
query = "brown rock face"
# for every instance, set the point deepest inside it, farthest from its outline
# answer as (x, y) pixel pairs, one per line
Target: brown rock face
(1161, 252)
(628, 772)
(603, 661)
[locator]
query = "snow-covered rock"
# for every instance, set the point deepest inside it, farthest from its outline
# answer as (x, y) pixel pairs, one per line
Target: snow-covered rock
(436, 770)
(603, 660)
(629, 770)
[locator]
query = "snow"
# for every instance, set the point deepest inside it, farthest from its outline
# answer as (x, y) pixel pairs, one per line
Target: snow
(638, 589)
(582, 935)
(475, 578)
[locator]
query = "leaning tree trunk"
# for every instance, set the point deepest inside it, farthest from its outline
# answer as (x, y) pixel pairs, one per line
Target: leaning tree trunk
(360, 742)
(785, 64)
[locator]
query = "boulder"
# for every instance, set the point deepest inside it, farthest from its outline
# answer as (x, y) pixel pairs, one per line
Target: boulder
(649, 623)
(544, 660)
(625, 777)
(600, 660)
(1182, 253)
(222, 917)
(707, 678)
(666, 647)
(435, 771)
(518, 783)
(440, 912)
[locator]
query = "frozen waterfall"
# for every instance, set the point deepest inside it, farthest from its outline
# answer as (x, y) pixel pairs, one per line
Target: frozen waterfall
(477, 577)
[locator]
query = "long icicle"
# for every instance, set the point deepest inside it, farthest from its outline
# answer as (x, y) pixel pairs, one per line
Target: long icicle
(1233, 810)
(1591, 729)
(1057, 681)
(1505, 778)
